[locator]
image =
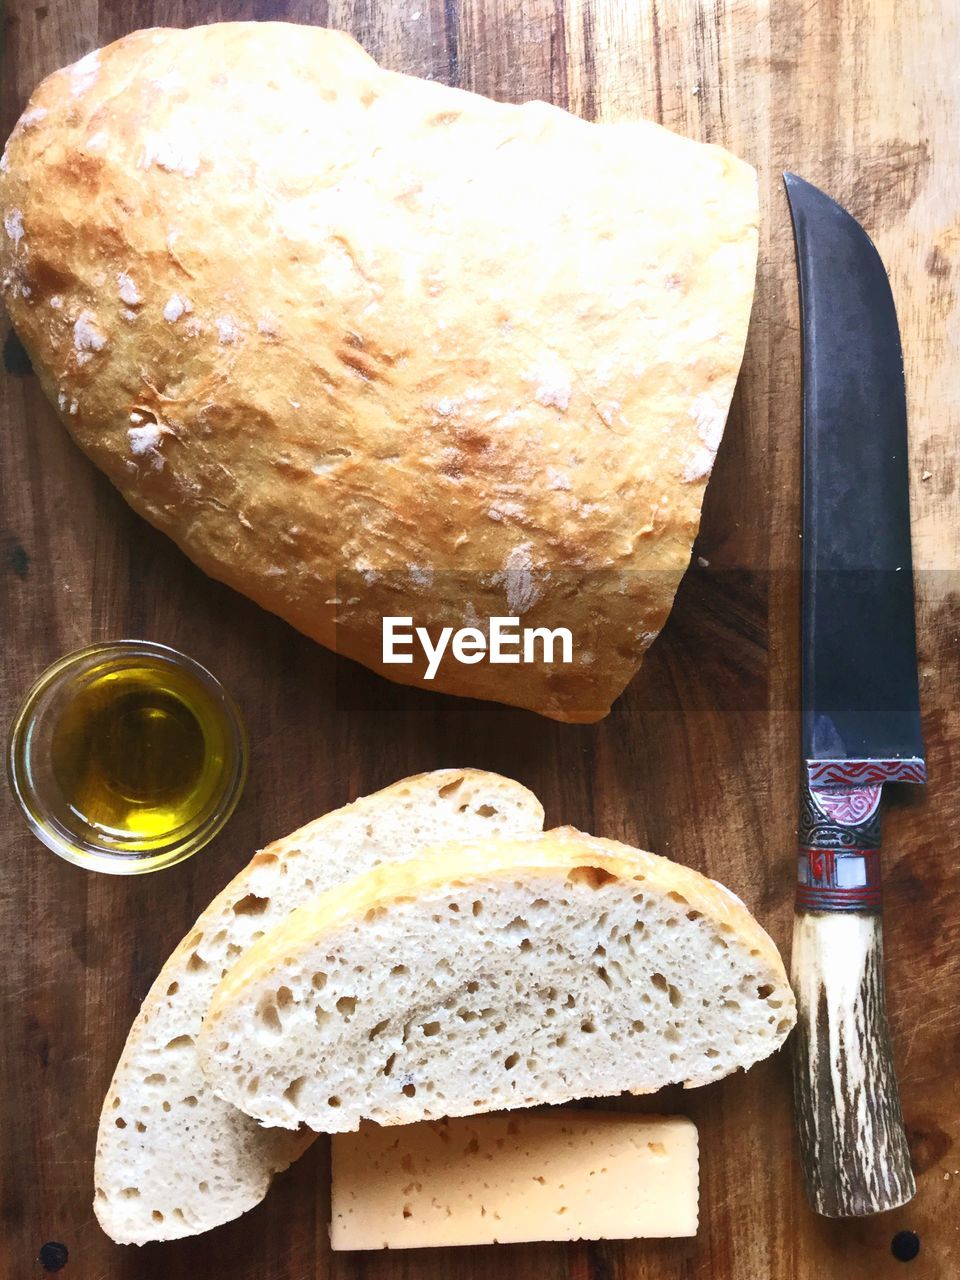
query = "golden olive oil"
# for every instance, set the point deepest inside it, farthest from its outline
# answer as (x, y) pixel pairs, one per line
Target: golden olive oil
(138, 754)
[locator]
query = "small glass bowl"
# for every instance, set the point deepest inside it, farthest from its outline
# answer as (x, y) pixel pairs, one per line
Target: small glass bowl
(146, 837)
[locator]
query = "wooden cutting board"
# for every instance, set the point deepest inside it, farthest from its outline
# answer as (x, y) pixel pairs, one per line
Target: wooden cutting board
(698, 760)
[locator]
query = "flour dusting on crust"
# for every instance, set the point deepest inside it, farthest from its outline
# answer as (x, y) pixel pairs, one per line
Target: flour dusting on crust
(13, 226)
(174, 153)
(176, 306)
(84, 73)
(87, 337)
(709, 417)
(518, 580)
(127, 290)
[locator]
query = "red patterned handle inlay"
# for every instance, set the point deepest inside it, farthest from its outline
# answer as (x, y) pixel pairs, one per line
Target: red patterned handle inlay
(839, 880)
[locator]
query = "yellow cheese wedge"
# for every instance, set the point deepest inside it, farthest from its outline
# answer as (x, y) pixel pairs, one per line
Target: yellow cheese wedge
(508, 1177)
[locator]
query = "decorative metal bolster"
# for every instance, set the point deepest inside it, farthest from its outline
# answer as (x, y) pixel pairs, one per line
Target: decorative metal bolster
(839, 864)
(864, 773)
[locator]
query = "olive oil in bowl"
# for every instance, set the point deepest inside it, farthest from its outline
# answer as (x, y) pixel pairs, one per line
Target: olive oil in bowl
(127, 757)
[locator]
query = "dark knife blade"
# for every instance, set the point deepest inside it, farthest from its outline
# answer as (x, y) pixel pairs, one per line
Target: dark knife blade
(860, 690)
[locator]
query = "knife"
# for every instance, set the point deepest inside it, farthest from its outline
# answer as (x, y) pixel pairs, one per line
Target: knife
(860, 708)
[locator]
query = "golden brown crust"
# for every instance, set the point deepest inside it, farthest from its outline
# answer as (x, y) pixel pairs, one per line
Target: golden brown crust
(366, 345)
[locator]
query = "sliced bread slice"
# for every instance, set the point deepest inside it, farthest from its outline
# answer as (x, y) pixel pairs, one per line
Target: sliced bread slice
(172, 1158)
(494, 975)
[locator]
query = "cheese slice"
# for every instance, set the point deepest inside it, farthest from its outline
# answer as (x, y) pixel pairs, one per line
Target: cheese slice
(514, 1176)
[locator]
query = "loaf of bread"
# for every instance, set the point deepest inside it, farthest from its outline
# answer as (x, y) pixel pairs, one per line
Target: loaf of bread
(369, 346)
(493, 976)
(172, 1159)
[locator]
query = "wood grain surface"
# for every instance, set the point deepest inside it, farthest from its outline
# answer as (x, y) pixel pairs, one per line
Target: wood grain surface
(698, 760)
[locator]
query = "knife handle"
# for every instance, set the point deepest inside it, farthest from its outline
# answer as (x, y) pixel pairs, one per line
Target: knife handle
(852, 1141)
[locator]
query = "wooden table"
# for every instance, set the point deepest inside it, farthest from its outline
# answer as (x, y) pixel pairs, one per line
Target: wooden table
(698, 759)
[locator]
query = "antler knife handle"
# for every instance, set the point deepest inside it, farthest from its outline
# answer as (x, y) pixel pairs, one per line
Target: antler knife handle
(852, 1142)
